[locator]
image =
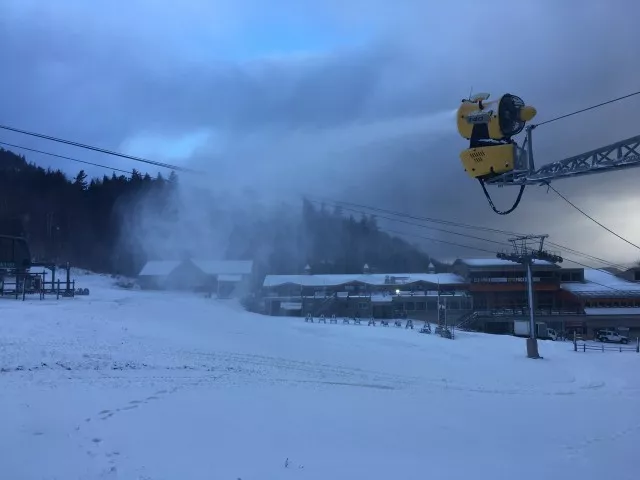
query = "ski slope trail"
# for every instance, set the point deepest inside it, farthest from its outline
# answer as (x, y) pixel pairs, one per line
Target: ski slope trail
(155, 385)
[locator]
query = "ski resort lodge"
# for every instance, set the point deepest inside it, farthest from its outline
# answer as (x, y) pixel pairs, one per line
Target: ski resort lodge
(484, 294)
(225, 278)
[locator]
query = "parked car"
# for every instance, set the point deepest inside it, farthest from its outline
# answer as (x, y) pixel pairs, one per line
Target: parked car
(611, 336)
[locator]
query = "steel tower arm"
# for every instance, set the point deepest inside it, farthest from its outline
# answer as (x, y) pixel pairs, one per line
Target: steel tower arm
(617, 156)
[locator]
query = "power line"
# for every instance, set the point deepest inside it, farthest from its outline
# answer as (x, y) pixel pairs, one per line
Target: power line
(459, 225)
(395, 232)
(423, 226)
(489, 251)
(586, 255)
(588, 108)
(97, 149)
(591, 218)
(65, 157)
(599, 270)
(562, 247)
(415, 217)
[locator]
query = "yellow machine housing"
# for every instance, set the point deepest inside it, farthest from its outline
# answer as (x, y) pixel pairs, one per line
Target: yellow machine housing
(489, 126)
(489, 161)
(468, 107)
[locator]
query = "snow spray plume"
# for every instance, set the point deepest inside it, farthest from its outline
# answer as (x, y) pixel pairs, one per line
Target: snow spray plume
(251, 191)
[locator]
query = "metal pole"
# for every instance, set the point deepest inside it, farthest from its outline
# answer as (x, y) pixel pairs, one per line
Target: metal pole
(532, 320)
(445, 312)
(532, 166)
(532, 341)
(68, 278)
(438, 307)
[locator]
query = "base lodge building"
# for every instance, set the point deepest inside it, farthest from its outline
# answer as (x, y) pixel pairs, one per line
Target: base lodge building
(480, 294)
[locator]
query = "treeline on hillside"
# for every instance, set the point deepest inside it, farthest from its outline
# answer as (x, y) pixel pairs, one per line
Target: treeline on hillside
(89, 223)
(74, 219)
(329, 242)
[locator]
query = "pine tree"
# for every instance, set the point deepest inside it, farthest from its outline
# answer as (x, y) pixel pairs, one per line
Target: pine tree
(81, 180)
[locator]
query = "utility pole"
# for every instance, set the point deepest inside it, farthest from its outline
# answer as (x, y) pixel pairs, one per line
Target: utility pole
(526, 250)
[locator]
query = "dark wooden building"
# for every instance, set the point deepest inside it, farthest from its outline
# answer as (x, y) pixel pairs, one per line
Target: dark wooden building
(483, 294)
(224, 278)
(365, 295)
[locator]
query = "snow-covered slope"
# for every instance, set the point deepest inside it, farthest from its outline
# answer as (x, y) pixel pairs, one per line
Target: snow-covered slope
(148, 385)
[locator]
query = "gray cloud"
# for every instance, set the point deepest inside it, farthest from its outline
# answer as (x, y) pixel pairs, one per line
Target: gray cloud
(367, 122)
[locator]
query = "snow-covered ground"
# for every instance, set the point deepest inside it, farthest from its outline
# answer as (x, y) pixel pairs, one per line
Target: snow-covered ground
(146, 385)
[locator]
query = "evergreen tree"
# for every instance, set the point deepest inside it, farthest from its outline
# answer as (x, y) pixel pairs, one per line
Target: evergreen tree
(84, 221)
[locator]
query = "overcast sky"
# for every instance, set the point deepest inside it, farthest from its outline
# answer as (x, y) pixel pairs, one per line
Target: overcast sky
(345, 99)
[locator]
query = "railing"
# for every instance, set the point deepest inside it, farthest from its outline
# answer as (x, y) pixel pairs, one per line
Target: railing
(24, 284)
(467, 319)
(581, 345)
(326, 303)
(524, 311)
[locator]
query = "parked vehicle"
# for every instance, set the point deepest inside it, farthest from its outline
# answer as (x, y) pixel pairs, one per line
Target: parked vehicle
(521, 328)
(611, 336)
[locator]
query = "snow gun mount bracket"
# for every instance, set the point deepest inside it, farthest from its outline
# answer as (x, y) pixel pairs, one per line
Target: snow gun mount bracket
(495, 158)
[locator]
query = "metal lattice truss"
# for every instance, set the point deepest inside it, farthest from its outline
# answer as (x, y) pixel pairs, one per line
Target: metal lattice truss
(617, 156)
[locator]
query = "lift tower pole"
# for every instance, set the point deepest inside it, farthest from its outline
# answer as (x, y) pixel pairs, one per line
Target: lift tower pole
(526, 250)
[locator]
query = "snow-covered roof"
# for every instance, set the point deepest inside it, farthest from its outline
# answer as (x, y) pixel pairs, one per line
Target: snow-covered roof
(229, 278)
(369, 279)
(613, 311)
(599, 283)
(497, 262)
(229, 267)
(155, 268)
(210, 267)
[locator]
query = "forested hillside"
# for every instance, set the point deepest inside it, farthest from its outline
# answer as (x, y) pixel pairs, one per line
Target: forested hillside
(88, 222)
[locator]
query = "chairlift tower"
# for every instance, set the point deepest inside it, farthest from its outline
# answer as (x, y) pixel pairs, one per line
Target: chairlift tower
(526, 250)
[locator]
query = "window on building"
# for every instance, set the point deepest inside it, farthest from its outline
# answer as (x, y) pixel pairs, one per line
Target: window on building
(480, 302)
(465, 303)
(421, 305)
(409, 306)
(363, 305)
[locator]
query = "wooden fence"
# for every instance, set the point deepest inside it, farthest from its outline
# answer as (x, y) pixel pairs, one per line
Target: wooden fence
(580, 345)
